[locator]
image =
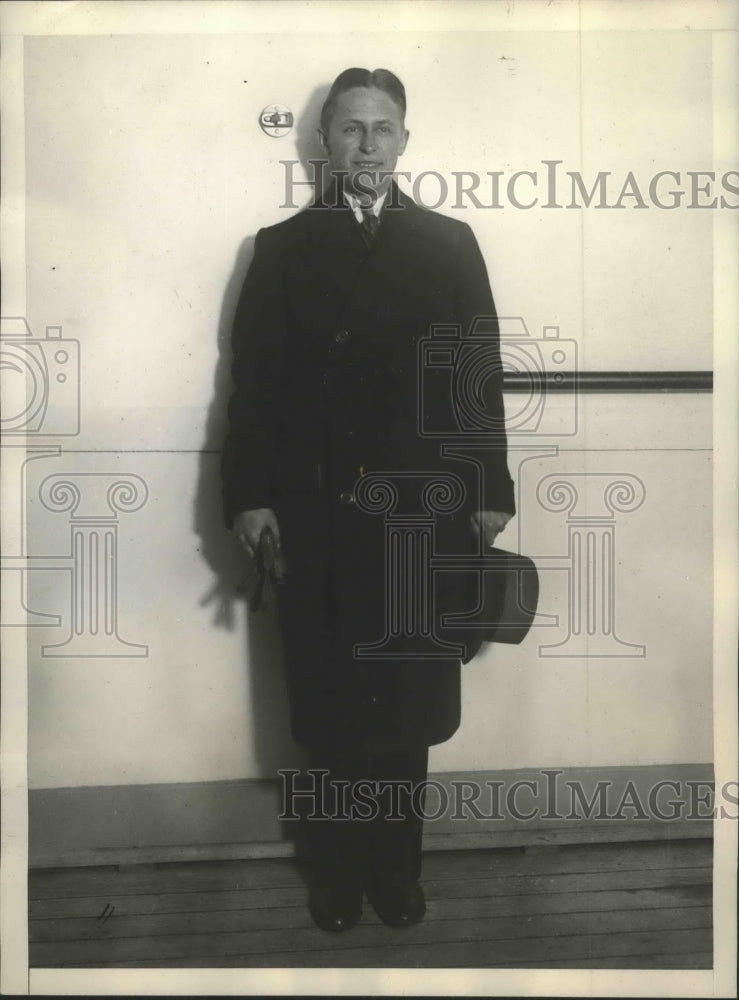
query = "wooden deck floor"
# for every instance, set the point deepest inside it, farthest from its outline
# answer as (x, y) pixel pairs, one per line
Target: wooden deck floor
(638, 905)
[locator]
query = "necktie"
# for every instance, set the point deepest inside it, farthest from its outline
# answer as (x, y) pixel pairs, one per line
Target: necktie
(370, 225)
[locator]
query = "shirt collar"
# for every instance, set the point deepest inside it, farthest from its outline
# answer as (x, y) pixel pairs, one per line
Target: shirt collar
(353, 202)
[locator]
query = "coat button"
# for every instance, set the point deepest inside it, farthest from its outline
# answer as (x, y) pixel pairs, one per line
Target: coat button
(347, 498)
(341, 337)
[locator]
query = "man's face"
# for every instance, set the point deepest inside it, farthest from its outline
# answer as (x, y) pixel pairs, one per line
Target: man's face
(364, 139)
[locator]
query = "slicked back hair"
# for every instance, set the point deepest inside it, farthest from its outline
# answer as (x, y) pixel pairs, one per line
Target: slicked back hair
(382, 79)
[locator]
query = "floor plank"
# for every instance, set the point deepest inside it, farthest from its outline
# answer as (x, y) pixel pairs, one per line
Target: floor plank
(109, 924)
(689, 960)
(632, 951)
(685, 880)
(271, 872)
(584, 906)
(222, 934)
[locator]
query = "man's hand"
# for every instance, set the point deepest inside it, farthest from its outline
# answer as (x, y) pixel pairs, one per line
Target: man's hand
(490, 523)
(248, 527)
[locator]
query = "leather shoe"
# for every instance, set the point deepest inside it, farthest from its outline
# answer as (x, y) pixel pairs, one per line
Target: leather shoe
(398, 905)
(335, 909)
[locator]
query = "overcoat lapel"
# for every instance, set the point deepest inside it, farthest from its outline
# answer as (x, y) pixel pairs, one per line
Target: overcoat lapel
(335, 247)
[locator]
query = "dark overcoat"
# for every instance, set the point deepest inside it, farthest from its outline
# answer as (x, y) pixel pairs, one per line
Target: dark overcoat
(341, 422)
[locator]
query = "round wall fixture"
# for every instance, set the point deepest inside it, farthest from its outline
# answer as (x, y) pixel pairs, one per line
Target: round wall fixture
(276, 120)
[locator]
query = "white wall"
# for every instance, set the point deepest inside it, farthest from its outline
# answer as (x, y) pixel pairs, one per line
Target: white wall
(147, 177)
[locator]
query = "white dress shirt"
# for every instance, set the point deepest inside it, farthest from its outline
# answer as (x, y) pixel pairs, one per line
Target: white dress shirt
(356, 207)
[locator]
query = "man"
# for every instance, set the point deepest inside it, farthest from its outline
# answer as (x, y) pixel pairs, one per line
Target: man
(327, 382)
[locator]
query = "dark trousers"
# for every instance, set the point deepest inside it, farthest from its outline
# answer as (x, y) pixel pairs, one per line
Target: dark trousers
(375, 804)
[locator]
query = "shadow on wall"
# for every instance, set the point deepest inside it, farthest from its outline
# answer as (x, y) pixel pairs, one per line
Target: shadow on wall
(307, 146)
(272, 743)
(269, 722)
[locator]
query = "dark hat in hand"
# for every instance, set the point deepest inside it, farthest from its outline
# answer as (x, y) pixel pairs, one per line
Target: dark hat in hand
(511, 597)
